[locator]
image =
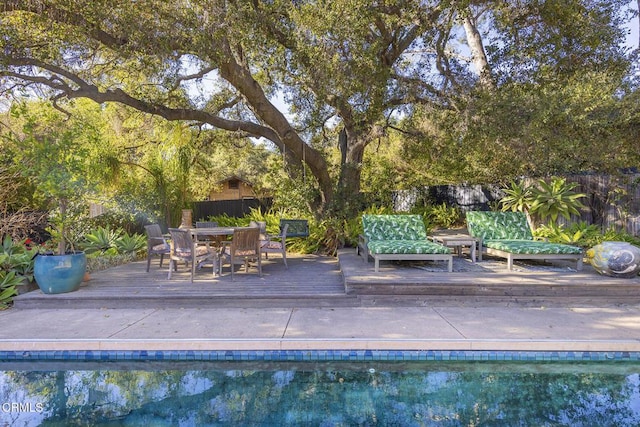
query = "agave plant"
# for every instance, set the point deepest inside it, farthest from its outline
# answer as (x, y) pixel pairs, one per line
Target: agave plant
(101, 240)
(555, 198)
(518, 199)
(130, 244)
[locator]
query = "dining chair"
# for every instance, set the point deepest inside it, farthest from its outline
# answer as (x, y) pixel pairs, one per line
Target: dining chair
(276, 244)
(156, 244)
(244, 247)
(184, 248)
(262, 226)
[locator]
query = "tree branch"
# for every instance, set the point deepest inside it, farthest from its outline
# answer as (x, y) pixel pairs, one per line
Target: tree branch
(83, 89)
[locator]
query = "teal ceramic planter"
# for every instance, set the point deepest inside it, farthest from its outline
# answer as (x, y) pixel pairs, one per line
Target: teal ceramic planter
(57, 274)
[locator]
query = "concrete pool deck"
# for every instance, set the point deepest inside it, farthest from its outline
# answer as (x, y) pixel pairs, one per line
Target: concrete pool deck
(499, 327)
(358, 328)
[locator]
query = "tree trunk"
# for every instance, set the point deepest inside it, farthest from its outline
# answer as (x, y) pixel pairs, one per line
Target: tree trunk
(62, 244)
(285, 136)
(478, 55)
(347, 198)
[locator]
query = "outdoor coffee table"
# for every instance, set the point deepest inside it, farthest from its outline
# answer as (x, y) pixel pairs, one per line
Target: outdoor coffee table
(457, 241)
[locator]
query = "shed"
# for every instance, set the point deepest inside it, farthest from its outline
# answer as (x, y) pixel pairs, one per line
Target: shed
(232, 188)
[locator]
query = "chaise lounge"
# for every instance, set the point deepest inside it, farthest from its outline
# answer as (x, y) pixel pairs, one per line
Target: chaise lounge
(508, 235)
(399, 237)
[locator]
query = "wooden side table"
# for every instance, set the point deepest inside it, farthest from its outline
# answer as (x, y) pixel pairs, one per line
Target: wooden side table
(457, 241)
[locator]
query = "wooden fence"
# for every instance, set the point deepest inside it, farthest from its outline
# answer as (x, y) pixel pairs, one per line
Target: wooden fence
(233, 208)
(612, 201)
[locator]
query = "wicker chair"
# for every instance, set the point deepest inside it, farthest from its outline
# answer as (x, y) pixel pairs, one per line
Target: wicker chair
(156, 244)
(183, 248)
(244, 247)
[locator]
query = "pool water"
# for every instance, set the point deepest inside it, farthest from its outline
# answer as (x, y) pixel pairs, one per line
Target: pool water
(320, 394)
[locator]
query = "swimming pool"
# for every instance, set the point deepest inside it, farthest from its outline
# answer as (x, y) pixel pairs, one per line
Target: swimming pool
(320, 388)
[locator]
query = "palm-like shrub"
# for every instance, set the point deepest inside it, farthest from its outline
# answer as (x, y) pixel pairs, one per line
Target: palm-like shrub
(131, 244)
(101, 240)
(555, 198)
(543, 200)
(112, 242)
(518, 198)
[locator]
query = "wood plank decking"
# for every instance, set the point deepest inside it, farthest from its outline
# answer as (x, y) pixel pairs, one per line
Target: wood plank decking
(309, 281)
(316, 281)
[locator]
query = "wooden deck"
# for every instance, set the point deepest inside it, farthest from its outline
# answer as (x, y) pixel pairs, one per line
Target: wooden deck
(316, 281)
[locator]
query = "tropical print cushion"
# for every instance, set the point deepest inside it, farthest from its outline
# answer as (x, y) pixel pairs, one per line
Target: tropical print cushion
(406, 247)
(491, 225)
(393, 227)
(531, 247)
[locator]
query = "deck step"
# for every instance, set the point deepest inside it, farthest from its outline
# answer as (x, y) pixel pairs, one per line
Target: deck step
(37, 300)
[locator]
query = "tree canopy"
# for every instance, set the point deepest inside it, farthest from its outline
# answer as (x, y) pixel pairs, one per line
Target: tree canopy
(353, 68)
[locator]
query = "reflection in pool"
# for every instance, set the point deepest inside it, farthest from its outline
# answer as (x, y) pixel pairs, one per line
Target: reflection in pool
(322, 394)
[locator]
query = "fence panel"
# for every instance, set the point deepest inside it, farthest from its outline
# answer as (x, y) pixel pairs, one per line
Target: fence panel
(233, 208)
(612, 201)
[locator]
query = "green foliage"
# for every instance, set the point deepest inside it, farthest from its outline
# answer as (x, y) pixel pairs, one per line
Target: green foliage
(544, 200)
(16, 267)
(105, 241)
(614, 235)
(271, 218)
(8, 287)
(580, 234)
(557, 70)
(518, 197)
(117, 218)
(555, 198)
(583, 234)
(131, 244)
(17, 258)
(441, 216)
(101, 240)
(52, 152)
(225, 220)
(445, 216)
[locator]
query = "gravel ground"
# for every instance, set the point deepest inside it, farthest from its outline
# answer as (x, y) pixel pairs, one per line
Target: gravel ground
(490, 264)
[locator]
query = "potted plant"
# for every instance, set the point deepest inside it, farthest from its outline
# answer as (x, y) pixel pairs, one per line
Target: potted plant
(53, 158)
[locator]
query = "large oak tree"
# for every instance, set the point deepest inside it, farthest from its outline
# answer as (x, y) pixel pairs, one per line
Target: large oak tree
(349, 64)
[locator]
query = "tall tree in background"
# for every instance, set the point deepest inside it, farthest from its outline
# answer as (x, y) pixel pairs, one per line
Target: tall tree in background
(350, 64)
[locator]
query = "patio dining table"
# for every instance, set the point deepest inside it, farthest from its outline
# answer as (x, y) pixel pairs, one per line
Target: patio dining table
(212, 231)
(217, 235)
